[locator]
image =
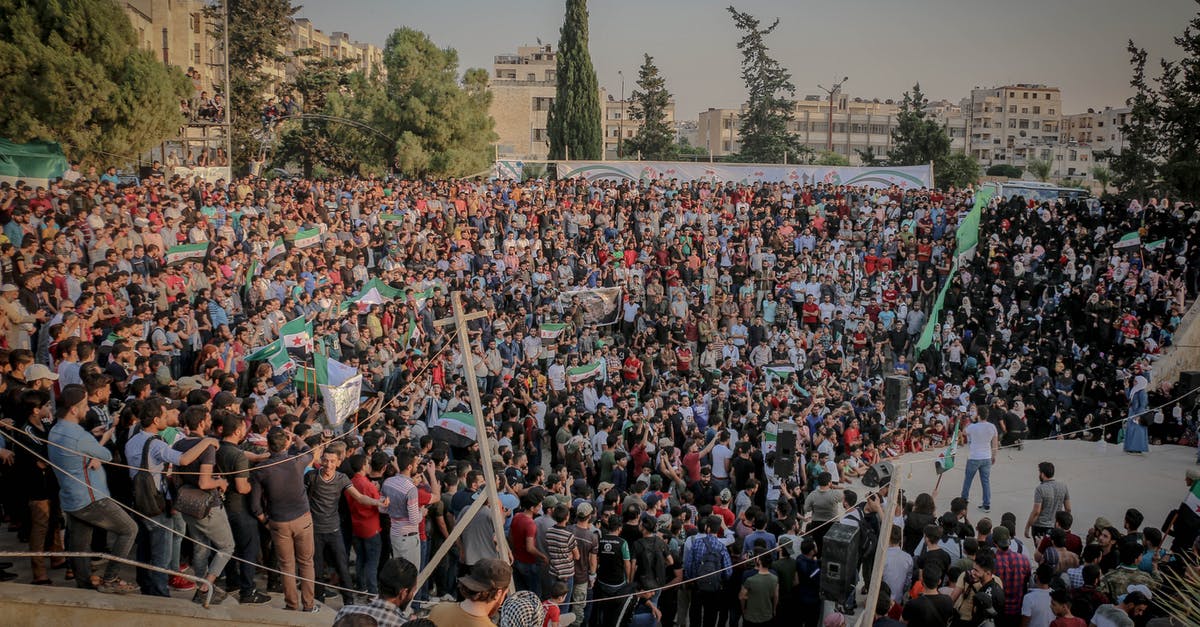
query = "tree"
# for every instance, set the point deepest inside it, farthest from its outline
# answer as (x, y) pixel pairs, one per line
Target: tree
(868, 156)
(1179, 118)
(1103, 176)
(1006, 170)
(957, 170)
(74, 74)
(830, 157)
(1039, 168)
(318, 141)
(441, 125)
(1134, 169)
(655, 138)
(917, 138)
(574, 119)
(258, 30)
(765, 137)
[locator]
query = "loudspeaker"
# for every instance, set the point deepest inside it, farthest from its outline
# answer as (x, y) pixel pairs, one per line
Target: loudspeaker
(785, 450)
(1188, 382)
(839, 561)
(895, 396)
(878, 475)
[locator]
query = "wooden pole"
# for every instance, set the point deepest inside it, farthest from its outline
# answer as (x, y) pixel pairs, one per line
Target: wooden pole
(867, 617)
(459, 525)
(485, 450)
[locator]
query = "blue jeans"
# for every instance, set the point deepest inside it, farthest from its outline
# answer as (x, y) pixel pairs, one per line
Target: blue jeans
(984, 468)
(154, 548)
(528, 577)
(366, 562)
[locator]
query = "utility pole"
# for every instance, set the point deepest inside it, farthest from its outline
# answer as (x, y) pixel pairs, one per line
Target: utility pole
(621, 120)
(228, 90)
(459, 320)
(837, 88)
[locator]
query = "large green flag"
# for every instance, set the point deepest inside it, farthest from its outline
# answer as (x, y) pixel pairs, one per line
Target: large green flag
(967, 236)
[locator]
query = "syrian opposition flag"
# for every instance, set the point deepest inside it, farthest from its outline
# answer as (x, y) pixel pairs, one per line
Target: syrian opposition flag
(276, 355)
(340, 386)
(551, 331)
(252, 270)
(297, 335)
(277, 250)
(1129, 240)
(945, 459)
(769, 442)
(412, 334)
(1192, 502)
(455, 427)
(586, 371)
(186, 252)
(1156, 244)
(306, 239)
(376, 292)
(777, 372)
(386, 217)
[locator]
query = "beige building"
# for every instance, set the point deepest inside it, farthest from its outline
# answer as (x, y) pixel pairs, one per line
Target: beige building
(1100, 129)
(178, 34)
(368, 58)
(523, 87)
(619, 127)
(1010, 121)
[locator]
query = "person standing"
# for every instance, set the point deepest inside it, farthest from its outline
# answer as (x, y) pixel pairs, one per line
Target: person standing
(586, 538)
(366, 527)
(404, 509)
(211, 533)
(278, 499)
(233, 464)
(325, 488)
(83, 492)
(982, 442)
(759, 595)
(1013, 570)
(1049, 498)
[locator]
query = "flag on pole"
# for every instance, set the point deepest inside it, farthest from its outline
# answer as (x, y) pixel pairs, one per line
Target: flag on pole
(305, 239)
(391, 217)
(551, 331)
(1192, 502)
(186, 252)
(340, 386)
(586, 371)
(456, 427)
(252, 270)
(1155, 245)
(276, 251)
(945, 459)
(777, 372)
(412, 334)
(276, 355)
(297, 334)
(1129, 240)
(770, 441)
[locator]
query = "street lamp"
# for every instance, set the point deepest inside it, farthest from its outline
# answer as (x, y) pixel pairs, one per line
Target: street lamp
(621, 119)
(837, 87)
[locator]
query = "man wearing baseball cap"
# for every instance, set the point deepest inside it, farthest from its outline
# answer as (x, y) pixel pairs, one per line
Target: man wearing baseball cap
(483, 592)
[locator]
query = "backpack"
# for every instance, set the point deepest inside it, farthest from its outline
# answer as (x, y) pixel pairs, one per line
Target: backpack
(148, 499)
(711, 564)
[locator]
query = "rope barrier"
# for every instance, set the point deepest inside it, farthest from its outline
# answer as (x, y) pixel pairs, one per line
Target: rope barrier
(365, 423)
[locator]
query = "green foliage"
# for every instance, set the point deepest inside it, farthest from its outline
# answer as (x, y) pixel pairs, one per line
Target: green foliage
(830, 157)
(441, 126)
(574, 119)
(765, 137)
(868, 156)
(1005, 170)
(956, 170)
(1135, 169)
(1179, 121)
(917, 138)
(1103, 176)
(74, 74)
(1039, 168)
(257, 31)
(655, 139)
(319, 141)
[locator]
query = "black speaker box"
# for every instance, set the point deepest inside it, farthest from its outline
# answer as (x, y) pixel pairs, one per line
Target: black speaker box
(839, 561)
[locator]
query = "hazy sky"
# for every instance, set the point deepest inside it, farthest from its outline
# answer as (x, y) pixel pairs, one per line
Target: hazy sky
(884, 46)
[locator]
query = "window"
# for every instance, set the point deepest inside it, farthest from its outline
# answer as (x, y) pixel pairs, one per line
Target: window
(541, 103)
(1012, 123)
(1074, 155)
(1058, 157)
(1012, 108)
(727, 123)
(531, 77)
(1100, 124)
(1025, 95)
(1011, 94)
(1047, 96)
(196, 23)
(551, 76)
(726, 144)
(1023, 123)
(1037, 110)
(1050, 111)
(878, 129)
(1024, 109)
(195, 54)
(540, 135)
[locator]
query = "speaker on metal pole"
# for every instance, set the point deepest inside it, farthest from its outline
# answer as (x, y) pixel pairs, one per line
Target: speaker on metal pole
(1188, 382)
(879, 475)
(840, 554)
(895, 396)
(785, 450)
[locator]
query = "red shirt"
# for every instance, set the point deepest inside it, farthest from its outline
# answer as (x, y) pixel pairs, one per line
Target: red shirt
(725, 515)
(424, 497)
(521, 529)
(364, 519)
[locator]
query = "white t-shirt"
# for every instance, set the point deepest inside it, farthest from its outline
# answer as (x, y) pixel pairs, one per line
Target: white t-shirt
(720, 453)
(979, 439)
(1036, 606)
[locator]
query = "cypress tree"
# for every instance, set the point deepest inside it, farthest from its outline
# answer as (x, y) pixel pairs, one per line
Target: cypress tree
(574, 120)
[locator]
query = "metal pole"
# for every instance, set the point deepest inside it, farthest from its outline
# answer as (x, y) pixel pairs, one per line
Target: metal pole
(621, 120)
(228, 91)
(485, 448)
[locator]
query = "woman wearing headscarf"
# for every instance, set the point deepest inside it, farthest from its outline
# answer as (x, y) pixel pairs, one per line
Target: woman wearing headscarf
(1136, 433)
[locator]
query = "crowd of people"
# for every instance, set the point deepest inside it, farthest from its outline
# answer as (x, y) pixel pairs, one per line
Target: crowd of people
(644, 491)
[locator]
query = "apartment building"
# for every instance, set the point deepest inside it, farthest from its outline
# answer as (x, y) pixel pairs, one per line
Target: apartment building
(177, 32)
(620, 127)
(523, 87)
(1010, 121)
(1100, 129)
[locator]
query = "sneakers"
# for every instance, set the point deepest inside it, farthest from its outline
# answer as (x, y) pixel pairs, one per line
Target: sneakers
(254, 598)
(985, 509)
(180, 583)
(116, 586)
(311, 610)
(218, 596)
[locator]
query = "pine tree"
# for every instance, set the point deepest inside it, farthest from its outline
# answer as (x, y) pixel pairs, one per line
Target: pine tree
(73, 73)
(765, 137)
(1134, 169)
(917, 139)
(574, 119)
(655, 139)
(1179, 125)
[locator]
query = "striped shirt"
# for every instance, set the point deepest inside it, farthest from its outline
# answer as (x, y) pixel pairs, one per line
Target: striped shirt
(560, 542)
(403, 507)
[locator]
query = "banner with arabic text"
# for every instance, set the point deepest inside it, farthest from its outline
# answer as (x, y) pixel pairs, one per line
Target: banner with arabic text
(645, 171)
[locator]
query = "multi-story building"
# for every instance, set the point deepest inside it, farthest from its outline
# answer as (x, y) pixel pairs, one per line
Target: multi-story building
(1008, 121)
(619, 127)
(178, 33)
(304, 35)
(523, 87)
(1100, 129)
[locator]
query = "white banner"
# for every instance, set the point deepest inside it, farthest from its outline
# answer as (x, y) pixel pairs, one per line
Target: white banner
(644, 171)
(341, 401)
(208, 174)
(601, 306)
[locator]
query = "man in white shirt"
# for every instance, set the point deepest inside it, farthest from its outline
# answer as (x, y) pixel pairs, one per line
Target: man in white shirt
(722, 457)
(982, 442)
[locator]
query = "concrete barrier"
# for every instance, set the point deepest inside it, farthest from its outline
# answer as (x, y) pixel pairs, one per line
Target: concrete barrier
(1182, 355)
(24, 605)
